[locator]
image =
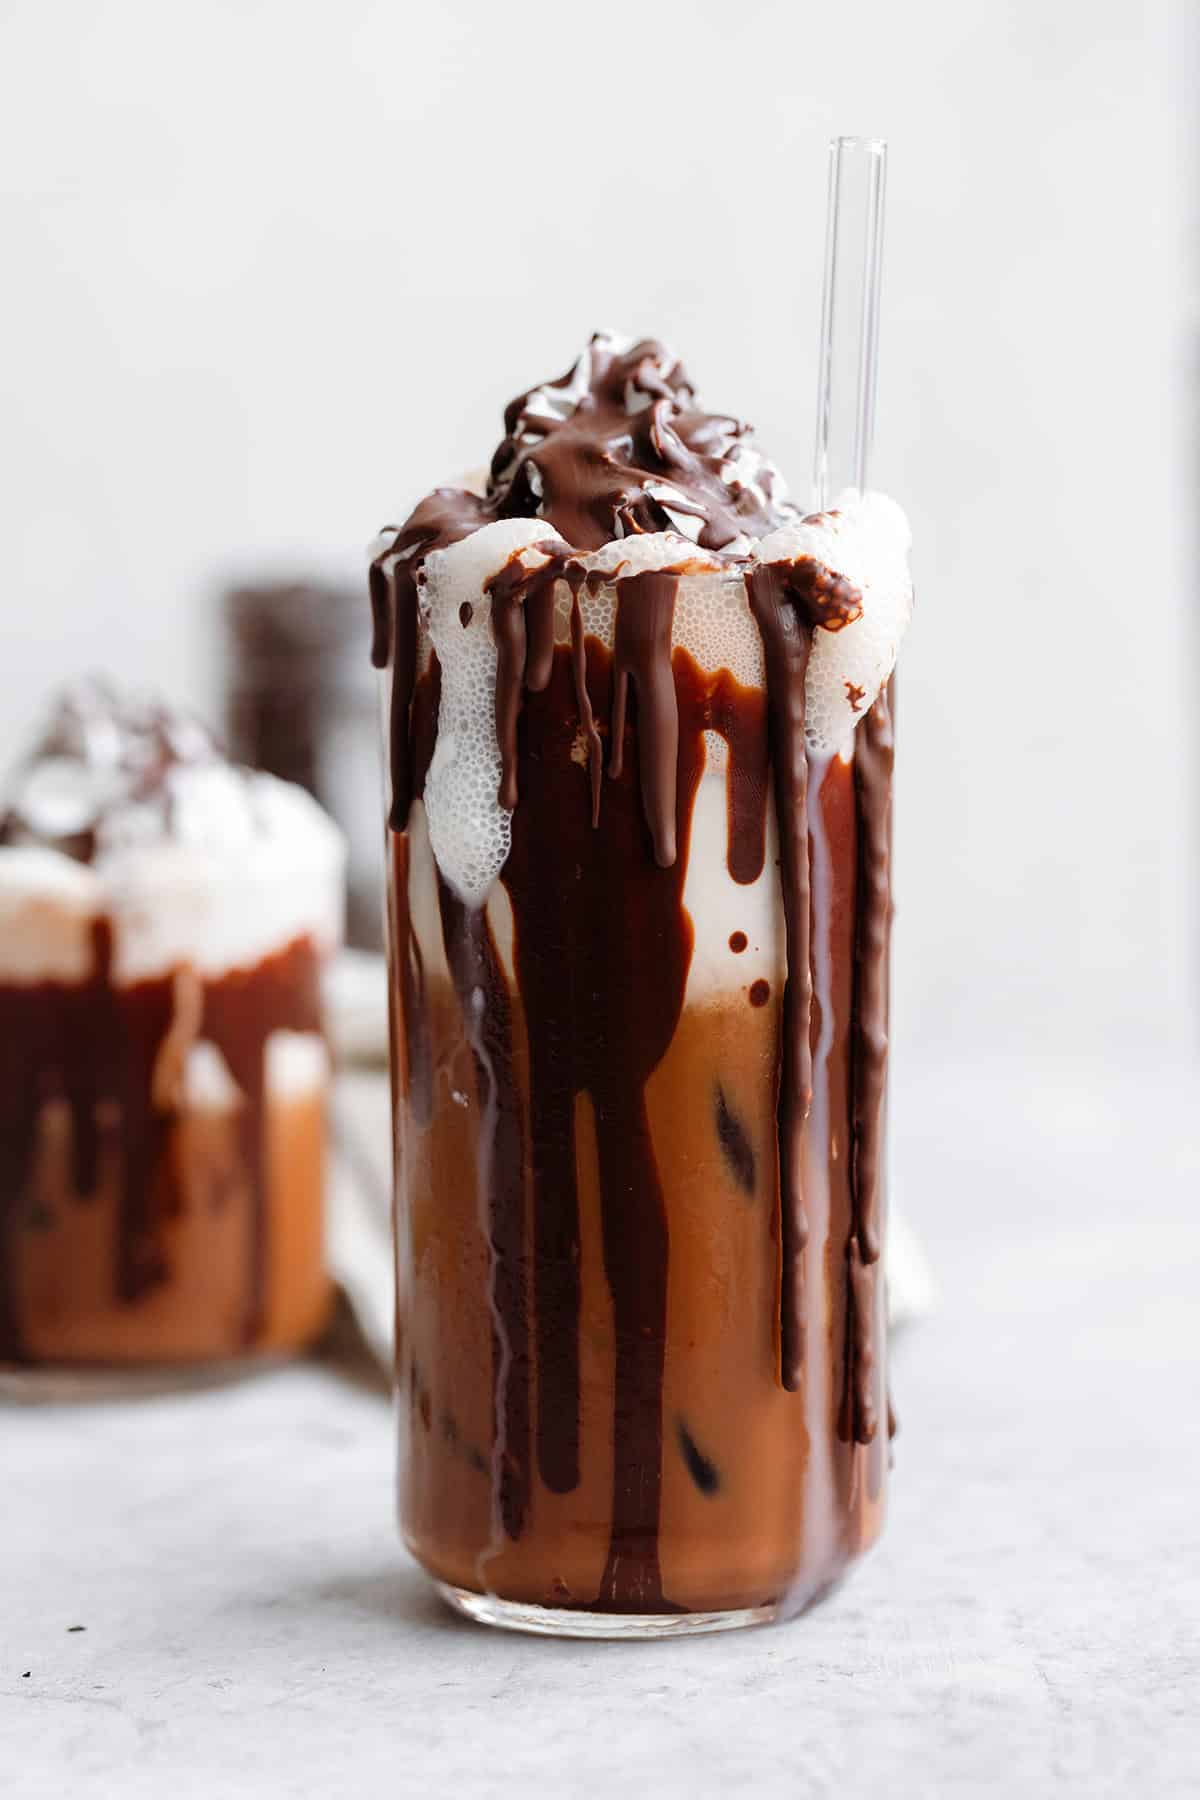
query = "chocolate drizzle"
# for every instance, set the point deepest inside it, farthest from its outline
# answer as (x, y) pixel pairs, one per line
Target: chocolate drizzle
(642, 656)
(139, 1019)
(739, 715)
(483, 997)
(873, 759)
(587, 718)
(786, 644)
(53, 1045)
(442, 518)
(618, 446)
(523, 628)
(408, 1023)
(100, 1048)
(602, 989)
(788, 602)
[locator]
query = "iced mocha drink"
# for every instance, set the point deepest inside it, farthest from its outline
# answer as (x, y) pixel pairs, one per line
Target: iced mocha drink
(164, 917)
(640, 763)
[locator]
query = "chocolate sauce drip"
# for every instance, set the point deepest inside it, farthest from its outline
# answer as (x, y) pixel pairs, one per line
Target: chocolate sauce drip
(523, 629)
(487, 1016)
(241, 1011)
(85, 1055)
(787, 644)
(788, 602)
(96, 1045)
(424, 723)
(860, 1420)
(411, 1041)
(739, 714)
(53, 1044)
(618, 445)
(401, 634)
(873, 759)
(442, 518)
(141, 1016)
(642, 655)
(587, 718)
(602, 990)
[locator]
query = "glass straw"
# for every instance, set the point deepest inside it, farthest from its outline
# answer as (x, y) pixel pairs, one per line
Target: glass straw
(849, 317)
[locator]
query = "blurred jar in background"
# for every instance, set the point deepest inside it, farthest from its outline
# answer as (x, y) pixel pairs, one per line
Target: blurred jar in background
(164, 920)
(300, 704)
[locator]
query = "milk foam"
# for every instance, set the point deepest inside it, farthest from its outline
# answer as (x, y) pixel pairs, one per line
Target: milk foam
(866, 539)
(720, 907)
(251, 864)
(469, 829)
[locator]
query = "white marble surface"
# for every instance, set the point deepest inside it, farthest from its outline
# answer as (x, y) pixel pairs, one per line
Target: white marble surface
(1028, 1627)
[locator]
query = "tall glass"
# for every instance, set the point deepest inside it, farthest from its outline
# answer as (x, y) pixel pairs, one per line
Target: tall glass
(640, 1322)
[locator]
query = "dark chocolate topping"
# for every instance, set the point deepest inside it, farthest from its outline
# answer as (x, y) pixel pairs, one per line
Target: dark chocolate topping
(619, 445)
(616, 446)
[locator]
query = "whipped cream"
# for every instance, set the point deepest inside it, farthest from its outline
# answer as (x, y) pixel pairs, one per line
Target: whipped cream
(192, 862)
(253, 865)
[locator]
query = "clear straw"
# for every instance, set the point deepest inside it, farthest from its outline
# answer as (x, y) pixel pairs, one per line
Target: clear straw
(849, 317)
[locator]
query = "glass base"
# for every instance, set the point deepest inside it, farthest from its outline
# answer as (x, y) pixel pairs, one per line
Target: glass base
(558, 1621)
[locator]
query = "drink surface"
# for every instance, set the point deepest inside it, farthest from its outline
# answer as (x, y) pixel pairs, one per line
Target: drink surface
(639, 919)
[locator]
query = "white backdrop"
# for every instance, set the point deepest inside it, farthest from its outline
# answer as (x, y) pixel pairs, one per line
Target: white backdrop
(270, 269)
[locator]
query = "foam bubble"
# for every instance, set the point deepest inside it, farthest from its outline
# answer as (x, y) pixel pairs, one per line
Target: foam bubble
(712, 621)
(866, 539)
(469, 830)
(645, 552)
